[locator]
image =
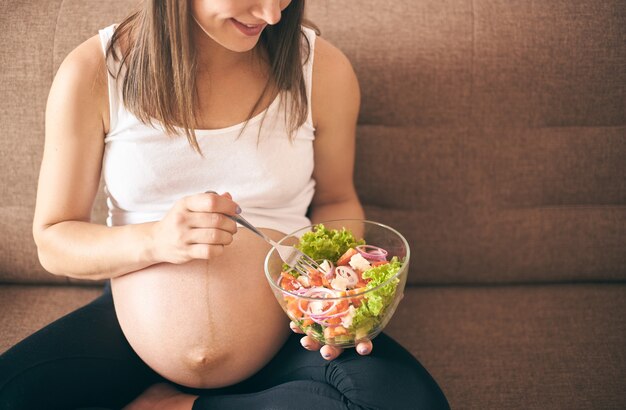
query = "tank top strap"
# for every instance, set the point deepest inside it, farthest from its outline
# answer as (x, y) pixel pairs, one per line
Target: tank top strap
(116, 106)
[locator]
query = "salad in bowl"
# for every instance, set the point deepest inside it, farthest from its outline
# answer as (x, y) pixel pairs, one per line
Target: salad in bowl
(363, 266)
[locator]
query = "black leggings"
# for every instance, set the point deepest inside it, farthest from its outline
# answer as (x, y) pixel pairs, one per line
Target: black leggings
(84, 361)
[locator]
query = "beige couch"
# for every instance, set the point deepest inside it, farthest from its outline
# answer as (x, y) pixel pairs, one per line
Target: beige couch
(492, 133)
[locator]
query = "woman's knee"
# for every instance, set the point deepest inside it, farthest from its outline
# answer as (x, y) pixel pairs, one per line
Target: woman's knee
(384, 383)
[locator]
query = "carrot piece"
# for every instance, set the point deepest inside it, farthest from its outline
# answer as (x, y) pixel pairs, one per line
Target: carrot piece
(345, 258)
(333, 320)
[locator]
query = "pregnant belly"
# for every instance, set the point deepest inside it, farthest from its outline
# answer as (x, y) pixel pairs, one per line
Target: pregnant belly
(204, 324)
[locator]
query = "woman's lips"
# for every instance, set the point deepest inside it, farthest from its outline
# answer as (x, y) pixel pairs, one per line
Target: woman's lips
(248, 29)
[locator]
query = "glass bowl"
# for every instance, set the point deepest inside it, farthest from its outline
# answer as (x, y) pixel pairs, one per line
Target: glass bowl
(344, 317)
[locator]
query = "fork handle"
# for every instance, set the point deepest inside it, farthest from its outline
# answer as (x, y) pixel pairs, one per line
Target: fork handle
(240, 219)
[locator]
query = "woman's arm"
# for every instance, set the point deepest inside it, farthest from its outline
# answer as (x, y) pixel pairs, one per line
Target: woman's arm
(335, 107)
(67, 242)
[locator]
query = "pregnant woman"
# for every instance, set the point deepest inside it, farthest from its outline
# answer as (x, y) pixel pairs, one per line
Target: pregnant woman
(191, 112)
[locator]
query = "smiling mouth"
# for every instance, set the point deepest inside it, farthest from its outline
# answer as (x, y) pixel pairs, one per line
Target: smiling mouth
(248, 29)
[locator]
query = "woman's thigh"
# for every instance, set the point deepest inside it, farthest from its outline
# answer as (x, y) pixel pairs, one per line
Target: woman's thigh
(389, 378)
(80, 360)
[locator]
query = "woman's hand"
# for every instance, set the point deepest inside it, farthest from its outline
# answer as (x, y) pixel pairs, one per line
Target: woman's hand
(197, 227)
(330, 352)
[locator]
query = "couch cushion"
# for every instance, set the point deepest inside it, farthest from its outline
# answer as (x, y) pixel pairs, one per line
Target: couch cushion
(519, 347)
(27, 308)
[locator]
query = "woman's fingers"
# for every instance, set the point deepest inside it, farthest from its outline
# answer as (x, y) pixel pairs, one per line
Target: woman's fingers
(203, 251)
(310, 344)
(196, 227)
(295, 327)
(211, 202)
(209, 236)
(365, 347)
(209, 223)
(211, 220)
(329, 352)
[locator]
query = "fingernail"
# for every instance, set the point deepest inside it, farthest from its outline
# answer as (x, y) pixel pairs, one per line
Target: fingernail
(238, 210)
(326, 355)
(363, 350)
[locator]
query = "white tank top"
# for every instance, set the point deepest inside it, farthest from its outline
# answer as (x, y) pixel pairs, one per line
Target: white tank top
(145, 171)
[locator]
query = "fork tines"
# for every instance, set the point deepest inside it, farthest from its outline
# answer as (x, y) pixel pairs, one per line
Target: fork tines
(304, 264)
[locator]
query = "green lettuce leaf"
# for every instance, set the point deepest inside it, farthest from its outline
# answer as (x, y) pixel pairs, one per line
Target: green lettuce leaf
(323, 243)
(370, 313)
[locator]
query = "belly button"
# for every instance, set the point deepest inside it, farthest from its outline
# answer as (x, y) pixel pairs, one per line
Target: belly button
(202, 359)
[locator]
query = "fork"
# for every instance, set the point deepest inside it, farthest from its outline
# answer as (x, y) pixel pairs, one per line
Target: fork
(293, 257)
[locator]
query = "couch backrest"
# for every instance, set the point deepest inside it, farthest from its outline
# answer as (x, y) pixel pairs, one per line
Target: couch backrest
(492, 133)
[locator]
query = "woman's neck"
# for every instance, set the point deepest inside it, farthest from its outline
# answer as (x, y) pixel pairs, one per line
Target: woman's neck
(213, 57)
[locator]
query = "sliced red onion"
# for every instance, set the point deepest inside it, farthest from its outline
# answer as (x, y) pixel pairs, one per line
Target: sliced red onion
(318, 292)
(347, 273)
(312, 315)
(372, 252)
(323, 320)
(338, 314)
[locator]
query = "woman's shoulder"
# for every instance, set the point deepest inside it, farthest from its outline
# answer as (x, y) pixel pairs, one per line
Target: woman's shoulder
(329, 59)
(87, 56)
(334, 80)
(81, 79)
(84, 65)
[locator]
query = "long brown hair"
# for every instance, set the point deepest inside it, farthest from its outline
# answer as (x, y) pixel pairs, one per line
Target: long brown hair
(158, 64)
